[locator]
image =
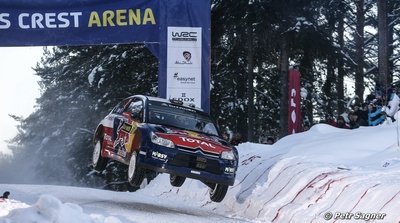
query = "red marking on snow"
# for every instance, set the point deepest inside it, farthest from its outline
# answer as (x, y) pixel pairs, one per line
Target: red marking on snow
(337, 197)
(390, 200)
(316, 179)
(276, 194)
(362, 196)
(327, 185)
(283, 171)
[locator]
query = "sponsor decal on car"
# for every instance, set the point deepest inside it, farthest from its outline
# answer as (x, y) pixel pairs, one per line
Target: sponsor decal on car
(185, 139)
(229, 170)
(158, 155)
(127, 127)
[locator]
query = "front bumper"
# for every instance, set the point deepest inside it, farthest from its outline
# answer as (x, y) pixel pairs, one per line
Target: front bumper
(188, 163)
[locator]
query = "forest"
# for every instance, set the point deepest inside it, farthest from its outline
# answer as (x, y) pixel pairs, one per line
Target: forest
(342, 48)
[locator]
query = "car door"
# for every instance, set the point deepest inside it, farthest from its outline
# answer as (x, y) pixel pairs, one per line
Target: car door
(126, 128)
(117, 122)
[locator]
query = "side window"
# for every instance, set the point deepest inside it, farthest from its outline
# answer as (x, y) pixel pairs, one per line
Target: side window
(120, 106)
(136, 110)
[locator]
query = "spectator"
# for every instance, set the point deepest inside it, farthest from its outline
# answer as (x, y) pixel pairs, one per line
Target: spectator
(358, 118)
(353, 124)
(330, 121)
(375, 116)
(341, 123)
(5, 196)
(225, 136)
(393, 104)
(270, 141)
(375, 97)
(236, 139)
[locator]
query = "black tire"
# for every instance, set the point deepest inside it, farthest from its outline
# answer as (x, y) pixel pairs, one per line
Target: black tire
(135, 173)
(176, 181)
(99, 162)
(218, 192)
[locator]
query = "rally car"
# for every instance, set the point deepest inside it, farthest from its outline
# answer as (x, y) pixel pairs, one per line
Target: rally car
(166, 136)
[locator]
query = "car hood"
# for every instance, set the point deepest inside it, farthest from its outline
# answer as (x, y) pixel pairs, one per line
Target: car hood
(194, 140)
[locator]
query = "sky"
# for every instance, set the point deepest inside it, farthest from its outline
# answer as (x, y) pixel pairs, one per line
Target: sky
(325, 174)
(18, 87)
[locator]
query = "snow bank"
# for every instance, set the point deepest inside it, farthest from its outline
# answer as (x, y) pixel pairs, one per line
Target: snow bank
(48, 209)
(305, 176)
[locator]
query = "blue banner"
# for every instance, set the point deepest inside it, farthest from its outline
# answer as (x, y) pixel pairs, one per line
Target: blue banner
(176, 31)
(39, 22)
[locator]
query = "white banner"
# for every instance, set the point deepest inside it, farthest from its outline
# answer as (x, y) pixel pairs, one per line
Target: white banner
(184, 64)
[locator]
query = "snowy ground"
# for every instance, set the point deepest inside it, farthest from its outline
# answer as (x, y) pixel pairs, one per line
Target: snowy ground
(323, 175)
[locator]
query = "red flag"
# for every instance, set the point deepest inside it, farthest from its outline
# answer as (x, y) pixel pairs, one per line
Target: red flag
(294, 119)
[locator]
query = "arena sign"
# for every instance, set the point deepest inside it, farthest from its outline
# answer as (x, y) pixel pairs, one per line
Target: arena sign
(176, 31)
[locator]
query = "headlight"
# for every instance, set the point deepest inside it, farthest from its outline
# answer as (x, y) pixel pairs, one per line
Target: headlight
(228, 155)
(161, 141)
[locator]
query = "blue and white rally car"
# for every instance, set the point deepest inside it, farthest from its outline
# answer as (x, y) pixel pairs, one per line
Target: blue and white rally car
(149, 133)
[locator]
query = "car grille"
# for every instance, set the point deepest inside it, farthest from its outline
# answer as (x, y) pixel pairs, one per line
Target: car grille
(196, 162)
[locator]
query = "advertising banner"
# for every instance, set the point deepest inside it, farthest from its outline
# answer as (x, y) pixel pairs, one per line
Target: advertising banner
(294, 122)
(39, 22)
(184, 64)
(187, 48)
(177, 32)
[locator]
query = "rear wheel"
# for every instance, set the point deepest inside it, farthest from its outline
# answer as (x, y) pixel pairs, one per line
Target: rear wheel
(99, 162)
(176, 181)
(135, 173)
(218, 192)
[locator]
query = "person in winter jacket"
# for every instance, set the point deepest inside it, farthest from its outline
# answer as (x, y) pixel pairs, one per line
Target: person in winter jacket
(358, 117)
(237, 139)
(5, 196)
(341, 123)
(392, 106)
(375, 116)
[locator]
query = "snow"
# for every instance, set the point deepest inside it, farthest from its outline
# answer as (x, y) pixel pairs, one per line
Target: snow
(93, 73)
(323, 172)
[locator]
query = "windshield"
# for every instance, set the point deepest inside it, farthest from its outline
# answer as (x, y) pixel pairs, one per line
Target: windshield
(180, 117)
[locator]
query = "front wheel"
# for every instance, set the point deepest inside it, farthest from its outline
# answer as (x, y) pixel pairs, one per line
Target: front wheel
(176, 181)
(99, 162)
(218, 192)
(135, 173)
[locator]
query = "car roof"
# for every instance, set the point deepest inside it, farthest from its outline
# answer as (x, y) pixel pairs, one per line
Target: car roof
(152, 98)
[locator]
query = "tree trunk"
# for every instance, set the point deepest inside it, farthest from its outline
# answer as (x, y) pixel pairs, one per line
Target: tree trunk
(330, 73)
(390, 40)
(359, 39)
(284, 69)
(340, 76)
(330, 78)
(250, 88)
(382, 44)
(306, 70)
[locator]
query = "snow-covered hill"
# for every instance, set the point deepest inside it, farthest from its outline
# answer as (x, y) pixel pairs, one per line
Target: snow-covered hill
(323, 175)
